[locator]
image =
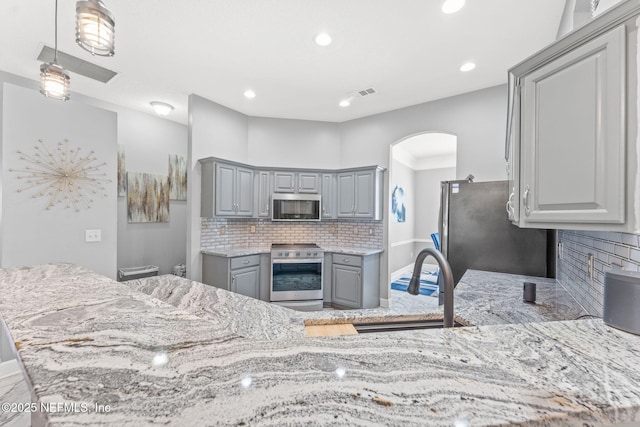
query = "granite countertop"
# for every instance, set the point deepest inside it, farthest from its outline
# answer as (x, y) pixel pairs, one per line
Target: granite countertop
(234, 252)
(84, 338)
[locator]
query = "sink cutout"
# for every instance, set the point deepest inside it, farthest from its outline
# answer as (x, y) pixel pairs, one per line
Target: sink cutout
(406, 325)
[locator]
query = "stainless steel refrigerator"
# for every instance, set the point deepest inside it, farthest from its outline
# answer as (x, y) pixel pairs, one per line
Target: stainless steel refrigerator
(475, 233)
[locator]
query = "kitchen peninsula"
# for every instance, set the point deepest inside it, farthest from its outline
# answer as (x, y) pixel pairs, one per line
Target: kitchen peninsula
(83, 338)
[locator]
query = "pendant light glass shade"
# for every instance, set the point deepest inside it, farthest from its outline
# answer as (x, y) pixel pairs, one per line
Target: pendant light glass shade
(95, 28)
(54, 81)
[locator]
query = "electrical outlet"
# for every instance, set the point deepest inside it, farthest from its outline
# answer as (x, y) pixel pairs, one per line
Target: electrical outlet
(252, 229)
(91, 236)
(355, 229)
(371, 231)
(223, 229)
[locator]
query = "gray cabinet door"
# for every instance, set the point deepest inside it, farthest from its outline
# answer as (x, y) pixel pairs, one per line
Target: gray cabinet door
(284, 182)
(263, 207)
(246, 282)
(225, 190)
(346, 286)
(573, 121)
(328, 195)
(364, 196)
(308, 182)
(346, 194)
(244, 192)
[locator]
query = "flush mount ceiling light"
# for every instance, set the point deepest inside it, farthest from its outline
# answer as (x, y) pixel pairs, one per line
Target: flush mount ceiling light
(467, 67)
(249, 94)
(323, 39)
(161, 108)
(345, 102)
(452, 6)
(95, 28)
(54, 80)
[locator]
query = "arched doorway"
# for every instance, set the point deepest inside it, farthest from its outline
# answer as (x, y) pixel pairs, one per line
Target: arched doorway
(417, 165)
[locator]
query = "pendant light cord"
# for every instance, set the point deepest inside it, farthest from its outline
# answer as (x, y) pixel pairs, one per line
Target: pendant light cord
(55, 51)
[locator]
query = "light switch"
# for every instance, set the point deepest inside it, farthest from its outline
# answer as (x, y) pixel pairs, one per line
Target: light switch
(92, 235)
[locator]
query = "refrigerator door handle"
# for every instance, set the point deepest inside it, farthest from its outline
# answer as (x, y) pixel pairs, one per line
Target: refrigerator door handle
(525, 201)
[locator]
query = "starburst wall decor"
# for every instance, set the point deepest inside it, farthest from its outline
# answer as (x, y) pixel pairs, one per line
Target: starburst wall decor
(63, 176)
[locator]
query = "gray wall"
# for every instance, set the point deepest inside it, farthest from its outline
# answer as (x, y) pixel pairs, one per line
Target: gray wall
(428, 199)
(217, 131)
(148, 141)
(305, 144)
(476, 118)
(401, 234)
(32, 234)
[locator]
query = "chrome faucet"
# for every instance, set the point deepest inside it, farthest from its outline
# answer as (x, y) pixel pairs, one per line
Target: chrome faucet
(445, 270)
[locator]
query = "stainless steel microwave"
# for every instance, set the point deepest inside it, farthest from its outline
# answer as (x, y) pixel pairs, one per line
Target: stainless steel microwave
(295, 207)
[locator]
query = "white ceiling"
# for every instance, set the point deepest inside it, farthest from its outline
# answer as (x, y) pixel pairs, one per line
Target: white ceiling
(408, 50)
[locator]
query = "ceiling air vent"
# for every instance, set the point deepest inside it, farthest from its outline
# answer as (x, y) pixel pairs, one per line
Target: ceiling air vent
(77, 65)
(368, 91)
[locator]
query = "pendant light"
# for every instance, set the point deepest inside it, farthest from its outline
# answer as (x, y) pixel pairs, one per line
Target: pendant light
(54, 80)
(95, 28)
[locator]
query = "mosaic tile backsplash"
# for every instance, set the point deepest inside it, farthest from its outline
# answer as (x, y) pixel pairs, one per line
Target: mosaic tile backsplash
(236, 233)
(610, 250)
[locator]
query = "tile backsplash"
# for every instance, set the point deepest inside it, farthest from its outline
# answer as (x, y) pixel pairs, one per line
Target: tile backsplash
(237, 233)
(610, 250)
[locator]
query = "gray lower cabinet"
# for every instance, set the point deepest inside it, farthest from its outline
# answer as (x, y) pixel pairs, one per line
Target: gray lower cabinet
(237, 274)
(355, 281)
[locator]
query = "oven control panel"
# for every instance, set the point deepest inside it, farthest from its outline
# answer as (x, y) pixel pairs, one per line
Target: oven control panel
(291, 254)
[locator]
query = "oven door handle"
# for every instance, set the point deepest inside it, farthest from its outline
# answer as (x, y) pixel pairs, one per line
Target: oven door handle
(296, 260)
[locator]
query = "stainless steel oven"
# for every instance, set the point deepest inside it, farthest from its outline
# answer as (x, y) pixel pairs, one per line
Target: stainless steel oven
(296, 276)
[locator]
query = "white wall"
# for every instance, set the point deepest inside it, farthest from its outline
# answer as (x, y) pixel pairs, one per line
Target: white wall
(31, 234)
(293, 143)
(215, 131)
(148, 141)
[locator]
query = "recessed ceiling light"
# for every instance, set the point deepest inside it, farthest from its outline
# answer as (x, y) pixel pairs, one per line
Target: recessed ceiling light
(249, 94)
(452, 6)
(467, 67)
(345, 103)
(323, 39)
(161, 108)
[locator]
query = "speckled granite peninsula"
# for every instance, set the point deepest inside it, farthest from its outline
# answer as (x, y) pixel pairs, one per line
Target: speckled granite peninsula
(85, 338)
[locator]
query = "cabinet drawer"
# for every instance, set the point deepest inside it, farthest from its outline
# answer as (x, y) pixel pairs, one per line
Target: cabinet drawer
(245, 261)
(347, 260)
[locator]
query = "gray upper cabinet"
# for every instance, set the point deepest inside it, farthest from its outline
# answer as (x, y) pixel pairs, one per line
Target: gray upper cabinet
(227, 190)
(328, 193)
(572, 135)
(263, 193)
(572, 129)
(231, 190)
(296, 182)
(360, 194)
